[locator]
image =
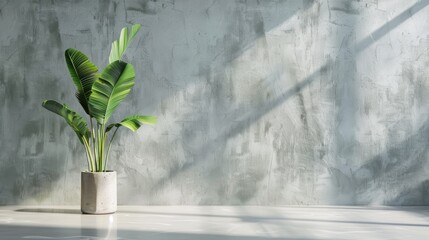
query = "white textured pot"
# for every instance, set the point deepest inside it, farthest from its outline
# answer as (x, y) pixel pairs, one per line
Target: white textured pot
(98, 192)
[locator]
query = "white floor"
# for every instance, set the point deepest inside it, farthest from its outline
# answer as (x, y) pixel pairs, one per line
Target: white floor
(216, 222)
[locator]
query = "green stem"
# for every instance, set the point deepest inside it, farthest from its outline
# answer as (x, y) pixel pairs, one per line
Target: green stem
(93, 138)
(98, 146)
(103, 137)
(104, 151)
(110, 145)
(97, 162)
(101, 140)
(87, 158)
(91, 158)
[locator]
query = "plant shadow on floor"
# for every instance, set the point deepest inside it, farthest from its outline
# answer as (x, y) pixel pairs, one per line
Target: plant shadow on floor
(50, 210)
(287, 220)
(39, 232)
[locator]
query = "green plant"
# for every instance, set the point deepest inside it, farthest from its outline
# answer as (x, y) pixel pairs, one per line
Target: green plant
(100, 94)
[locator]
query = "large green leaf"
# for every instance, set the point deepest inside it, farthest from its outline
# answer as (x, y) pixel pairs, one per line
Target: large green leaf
(110, 89)
(133, 122)
(76, 122)
(83, 73)
(119, 46)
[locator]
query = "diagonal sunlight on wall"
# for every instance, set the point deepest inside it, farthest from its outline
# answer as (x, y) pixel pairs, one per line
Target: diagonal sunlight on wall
(197, 133)
(234, 91)
(359, 46)
(181, 42)
(251, 109)
(390, 113)
(371, 172)
(259, 102)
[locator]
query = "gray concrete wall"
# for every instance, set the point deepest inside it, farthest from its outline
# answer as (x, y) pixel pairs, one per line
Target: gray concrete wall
(259, 102)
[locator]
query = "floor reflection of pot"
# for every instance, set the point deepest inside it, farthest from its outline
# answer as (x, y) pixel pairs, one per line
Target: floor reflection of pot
(99, 227)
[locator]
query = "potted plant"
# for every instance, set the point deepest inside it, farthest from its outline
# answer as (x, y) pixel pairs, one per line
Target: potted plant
(99, 94)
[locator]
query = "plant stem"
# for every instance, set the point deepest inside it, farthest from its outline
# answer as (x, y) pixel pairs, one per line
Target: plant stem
(93, 138)
(98, 147)
(100, 137)
(91, 158)
(108, 149)
(87, 158)
(97, 162)
(104, 152)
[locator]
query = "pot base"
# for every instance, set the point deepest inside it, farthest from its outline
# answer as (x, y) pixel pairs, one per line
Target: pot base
(98, 192)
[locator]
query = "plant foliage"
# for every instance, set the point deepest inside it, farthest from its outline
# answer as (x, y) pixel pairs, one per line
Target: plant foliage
(100, 95)
(110, 89)
(119, 46)
(83, 73)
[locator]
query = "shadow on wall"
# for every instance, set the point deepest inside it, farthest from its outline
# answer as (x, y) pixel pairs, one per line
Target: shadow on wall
(395, 176)
(242, 24)
(246, 24)
(30, 167)
(239, 119)
(402, 167)
(26, 175)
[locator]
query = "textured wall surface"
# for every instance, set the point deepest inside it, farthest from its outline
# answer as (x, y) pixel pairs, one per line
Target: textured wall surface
(259, 102)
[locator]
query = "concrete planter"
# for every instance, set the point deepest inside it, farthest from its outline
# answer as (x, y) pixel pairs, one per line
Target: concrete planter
(98, 191)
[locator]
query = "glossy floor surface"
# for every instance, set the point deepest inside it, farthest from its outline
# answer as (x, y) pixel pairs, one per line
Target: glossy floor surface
(213, 222)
